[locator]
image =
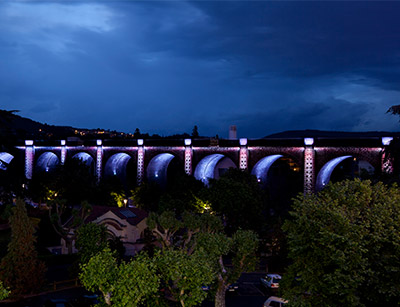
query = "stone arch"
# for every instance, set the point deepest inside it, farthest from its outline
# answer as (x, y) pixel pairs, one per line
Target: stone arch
(85, 158)
(260, 170)
(325, 173)
(117, 165)
(157, 170)
(47, 162)
(5, 160)
(212, 167)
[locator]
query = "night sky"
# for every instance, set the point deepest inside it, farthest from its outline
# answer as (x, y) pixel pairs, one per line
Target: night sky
(163, 67)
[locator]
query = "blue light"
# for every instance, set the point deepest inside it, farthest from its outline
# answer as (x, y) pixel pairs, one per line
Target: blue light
(386, 140)
(243, 142)
(308, 141)
(116, 165)
(206, 167)
(325, 173)
(260, 170)
(158, 168)
(47, 161)
(84, 157)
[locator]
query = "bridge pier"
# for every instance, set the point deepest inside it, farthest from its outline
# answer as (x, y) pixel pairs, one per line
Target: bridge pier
(387, 163)
(29, 158)
(188, 156)
(309, 169)
(99, 159)
(243, 154)
(63, 152)
(140, 162)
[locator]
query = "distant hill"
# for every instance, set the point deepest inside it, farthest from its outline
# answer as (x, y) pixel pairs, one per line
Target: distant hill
(17, 127)
(294, 134)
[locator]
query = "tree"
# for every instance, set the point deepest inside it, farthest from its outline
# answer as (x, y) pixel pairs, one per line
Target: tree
(195, 132)
(345, 246)
(66, 220)
(124, 284)
(91, 239)
(183, 275)
(237, 197)
(4, 292)
(241, 248)
(20, 269)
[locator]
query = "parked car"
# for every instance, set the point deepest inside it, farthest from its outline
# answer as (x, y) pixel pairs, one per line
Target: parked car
(274, 301)
(271, 281)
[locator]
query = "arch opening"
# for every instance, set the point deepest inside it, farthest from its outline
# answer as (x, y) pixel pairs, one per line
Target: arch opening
(158, 168)
(325, 173)
(212, 167)
(261, 169)
(85, 158)
(118, 166)
(5, 160)
(47, 162)
(281, 178)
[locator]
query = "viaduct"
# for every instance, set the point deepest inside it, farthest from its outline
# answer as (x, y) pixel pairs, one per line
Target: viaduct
(150, 159)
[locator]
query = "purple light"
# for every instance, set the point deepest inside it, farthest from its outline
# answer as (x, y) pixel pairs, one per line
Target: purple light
(308, 141)
(140, 142)
(387, 140)
(63, 142)
(28, 142)
(188, 142)
(99, 142)
(243, 142)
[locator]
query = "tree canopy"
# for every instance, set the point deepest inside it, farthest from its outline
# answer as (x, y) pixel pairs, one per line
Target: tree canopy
(345, 246)
(20, 269)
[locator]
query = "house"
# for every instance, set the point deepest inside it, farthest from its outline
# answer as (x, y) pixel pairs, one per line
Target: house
(126, 223)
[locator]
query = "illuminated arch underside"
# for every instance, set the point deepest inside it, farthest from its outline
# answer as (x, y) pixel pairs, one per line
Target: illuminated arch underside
(206, 167)
(260, 170)
(5, 159)
(325, 173)
(84, 157)
(158, 168)
(47, 161)
(116, 165)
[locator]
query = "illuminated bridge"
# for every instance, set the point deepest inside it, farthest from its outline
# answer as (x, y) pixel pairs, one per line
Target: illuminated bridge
(314, 159)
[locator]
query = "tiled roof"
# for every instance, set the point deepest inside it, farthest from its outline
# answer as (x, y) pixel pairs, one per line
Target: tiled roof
(139, 214)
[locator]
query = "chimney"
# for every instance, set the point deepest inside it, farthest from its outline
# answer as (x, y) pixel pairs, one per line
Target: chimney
(232, 132)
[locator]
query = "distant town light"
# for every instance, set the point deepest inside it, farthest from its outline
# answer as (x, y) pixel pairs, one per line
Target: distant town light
(140, 142)
(386, 140)
(99, 142)
(28, 142)
(188, 142)
(243, 142)
(63, 142)
(308, 141)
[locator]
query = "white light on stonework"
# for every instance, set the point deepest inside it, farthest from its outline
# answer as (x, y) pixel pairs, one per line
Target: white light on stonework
(188, 142)
(140, 142)
(28, 142)
(386, 140)
(243, 142)
(99, 142)
(63, 142)
(308, 141)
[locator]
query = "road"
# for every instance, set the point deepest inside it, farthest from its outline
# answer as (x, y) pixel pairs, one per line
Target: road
(251, 293)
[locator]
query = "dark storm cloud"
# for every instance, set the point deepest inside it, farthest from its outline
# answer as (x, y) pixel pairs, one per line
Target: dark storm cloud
(167, 66)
